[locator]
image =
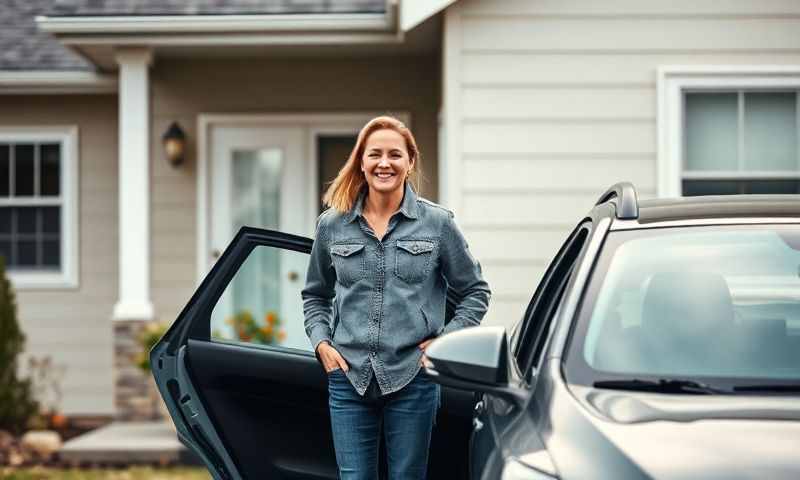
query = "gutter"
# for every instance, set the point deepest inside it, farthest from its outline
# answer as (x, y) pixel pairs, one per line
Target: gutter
(24, 82)
(181, 24)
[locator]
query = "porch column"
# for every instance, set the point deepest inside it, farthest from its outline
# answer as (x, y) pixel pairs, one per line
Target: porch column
(133, 389)
(134, 188)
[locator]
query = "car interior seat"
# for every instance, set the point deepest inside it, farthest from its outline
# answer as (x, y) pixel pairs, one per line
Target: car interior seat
(687, 319)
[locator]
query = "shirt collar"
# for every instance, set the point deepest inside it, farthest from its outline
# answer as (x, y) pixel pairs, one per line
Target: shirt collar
(408, 206)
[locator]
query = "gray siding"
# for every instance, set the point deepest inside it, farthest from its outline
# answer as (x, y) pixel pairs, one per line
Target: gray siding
(73, 326)
(551, 101)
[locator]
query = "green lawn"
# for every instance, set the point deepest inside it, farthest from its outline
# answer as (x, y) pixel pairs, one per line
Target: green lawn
(135, 473)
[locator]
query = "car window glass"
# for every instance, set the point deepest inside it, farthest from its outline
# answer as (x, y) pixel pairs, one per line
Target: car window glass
(546, 299)
(261, 305)
(716, 302)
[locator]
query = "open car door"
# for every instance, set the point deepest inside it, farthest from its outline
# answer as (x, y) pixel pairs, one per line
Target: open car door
(244, 388)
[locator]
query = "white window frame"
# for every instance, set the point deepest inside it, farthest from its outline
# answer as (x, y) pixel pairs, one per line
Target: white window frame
(67, 136)
(675, 81)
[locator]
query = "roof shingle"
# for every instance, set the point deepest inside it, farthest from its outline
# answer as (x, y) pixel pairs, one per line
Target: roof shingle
(24, 47)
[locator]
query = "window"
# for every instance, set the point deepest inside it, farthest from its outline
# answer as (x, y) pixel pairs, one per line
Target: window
(545, 302)
(716, 304)
(728, 130)
(38, 198)
(262, 306)
(740, 142)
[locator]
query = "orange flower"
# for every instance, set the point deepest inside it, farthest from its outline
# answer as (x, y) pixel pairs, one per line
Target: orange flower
(281, 336)
(271, 317)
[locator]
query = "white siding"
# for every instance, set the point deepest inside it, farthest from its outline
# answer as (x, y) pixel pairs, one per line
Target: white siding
(549, 102)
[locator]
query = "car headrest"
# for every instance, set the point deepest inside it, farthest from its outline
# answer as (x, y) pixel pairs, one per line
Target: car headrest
(687, 306)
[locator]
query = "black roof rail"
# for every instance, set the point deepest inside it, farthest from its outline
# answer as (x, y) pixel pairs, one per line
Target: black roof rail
(627, 200)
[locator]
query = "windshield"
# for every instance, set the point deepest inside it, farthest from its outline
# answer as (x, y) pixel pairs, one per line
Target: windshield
(718, 302)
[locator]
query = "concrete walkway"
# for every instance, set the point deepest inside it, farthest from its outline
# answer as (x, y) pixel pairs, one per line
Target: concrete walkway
(128, 443)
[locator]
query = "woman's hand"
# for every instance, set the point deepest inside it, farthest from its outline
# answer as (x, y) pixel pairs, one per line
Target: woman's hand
(331, 358)
(422, 346)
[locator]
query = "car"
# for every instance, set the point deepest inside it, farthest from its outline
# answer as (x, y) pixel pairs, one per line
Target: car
(663, 341)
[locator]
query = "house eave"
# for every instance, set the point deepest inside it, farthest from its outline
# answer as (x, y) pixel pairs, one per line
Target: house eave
(22, 82)
(185, 24)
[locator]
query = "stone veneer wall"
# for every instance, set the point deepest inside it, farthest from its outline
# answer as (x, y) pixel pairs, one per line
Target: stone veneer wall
(135, 395)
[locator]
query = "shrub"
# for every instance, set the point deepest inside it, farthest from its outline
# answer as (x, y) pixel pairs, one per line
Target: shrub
(148, 337)
(17, 405)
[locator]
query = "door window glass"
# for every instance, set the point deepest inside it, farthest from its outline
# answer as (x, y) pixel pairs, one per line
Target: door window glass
(262, 304)
(546, 300)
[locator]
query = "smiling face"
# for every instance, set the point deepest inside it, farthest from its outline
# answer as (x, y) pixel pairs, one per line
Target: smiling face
(385, 161)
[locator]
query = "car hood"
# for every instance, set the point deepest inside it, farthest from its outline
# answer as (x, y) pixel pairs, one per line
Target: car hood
(689, 436)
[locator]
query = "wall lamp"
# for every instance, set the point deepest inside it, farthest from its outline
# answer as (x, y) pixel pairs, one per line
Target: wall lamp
(174, 140)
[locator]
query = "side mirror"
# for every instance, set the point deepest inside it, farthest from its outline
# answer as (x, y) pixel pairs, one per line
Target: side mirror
(476, 359)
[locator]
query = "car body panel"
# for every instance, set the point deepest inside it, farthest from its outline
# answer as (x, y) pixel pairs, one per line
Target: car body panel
(584, 432)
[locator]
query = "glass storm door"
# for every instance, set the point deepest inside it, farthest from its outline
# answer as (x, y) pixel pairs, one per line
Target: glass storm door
(259, 178)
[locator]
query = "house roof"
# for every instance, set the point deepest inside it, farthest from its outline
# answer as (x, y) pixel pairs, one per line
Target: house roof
(23, 46)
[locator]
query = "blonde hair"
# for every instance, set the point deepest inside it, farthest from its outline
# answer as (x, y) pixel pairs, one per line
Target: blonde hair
(343, 191)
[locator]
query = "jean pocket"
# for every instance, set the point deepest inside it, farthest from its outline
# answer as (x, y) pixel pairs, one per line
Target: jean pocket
(349, 261)
(413, 259)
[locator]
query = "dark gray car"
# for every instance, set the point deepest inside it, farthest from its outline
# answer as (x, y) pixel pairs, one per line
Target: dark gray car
(662, 342)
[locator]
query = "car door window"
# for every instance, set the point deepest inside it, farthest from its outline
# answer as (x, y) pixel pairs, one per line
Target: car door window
(261, 305)
(541, 310)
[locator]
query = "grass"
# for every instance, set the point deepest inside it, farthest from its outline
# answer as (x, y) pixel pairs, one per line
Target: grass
(133, 473)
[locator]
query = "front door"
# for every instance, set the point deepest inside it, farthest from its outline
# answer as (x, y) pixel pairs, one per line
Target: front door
(246, 392)
(259, 176)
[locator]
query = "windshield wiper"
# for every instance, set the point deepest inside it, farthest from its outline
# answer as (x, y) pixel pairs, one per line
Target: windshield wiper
(773, 387)
(662, 385)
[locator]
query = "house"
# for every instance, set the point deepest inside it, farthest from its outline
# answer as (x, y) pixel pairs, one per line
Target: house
(525, 111)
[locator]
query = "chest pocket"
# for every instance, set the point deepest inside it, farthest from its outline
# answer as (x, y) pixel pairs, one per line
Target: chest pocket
(413, 260)
(349, 261)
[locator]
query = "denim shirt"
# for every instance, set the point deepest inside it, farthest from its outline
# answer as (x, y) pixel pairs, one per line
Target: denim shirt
(376, 300)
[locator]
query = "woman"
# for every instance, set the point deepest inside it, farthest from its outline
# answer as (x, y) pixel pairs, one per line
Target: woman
(375, 298)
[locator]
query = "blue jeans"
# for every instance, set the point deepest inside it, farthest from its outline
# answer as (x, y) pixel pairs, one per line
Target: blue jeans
(406, 418)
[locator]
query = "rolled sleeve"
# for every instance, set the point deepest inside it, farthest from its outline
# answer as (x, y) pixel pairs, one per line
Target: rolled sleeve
(319, 290)
(463, 274)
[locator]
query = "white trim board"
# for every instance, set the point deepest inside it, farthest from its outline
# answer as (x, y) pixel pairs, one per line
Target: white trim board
(113, 24)
(314, 124)
(55, 82)
(674, 81)
(67, 135)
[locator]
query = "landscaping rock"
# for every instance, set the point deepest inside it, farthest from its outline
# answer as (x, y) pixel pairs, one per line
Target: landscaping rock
(44, 443)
